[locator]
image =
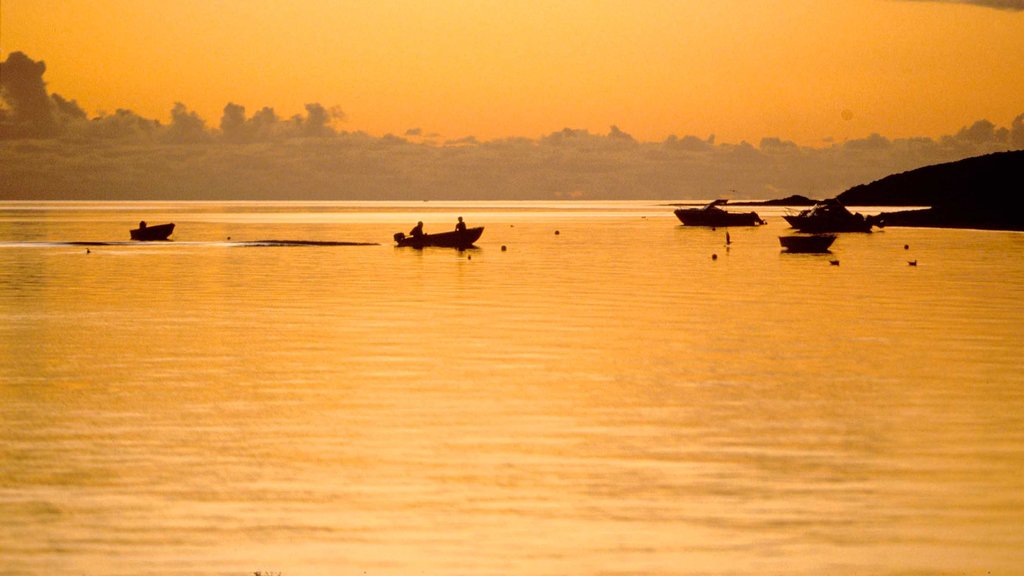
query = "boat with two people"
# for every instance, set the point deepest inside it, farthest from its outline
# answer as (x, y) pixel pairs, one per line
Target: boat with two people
(807, 243)
(829, 216)
(461, 238)
(150, 233)
(714, 215)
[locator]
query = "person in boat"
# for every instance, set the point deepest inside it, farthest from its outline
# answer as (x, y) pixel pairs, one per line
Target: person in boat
(417, 231)
(461, 226)
(142, 225)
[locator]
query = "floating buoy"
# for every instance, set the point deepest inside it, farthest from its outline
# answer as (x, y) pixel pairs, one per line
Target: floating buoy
(504, 248)
(906, 246)
(834, 262)
(714, 256)
(557, 232)
(912, 262)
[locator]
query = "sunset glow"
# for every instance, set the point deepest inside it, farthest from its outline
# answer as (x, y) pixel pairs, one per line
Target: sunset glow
(795, 69)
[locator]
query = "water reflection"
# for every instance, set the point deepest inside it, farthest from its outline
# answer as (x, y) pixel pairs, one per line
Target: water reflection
(605, 400)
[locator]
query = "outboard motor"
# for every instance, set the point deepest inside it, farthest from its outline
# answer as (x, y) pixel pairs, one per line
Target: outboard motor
(399, 236)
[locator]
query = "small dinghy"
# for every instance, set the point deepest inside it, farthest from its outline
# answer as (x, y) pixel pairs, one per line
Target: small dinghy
(807, 243)
(149, 233)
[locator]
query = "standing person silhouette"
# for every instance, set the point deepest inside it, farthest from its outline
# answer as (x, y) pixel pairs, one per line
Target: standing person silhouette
(461, 226)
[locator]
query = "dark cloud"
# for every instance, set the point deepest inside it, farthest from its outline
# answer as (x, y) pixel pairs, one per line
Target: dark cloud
(186, 126)
(233, 124)
(68, 108)
(122, 124)
(872, 142)
(777, 145)
(691, 143)
(1017, 132)
(616, 134)
(29, 111)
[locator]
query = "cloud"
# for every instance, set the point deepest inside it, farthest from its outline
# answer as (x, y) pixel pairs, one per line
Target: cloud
(51, 149)
(28, 111)
(1015, 5)
(1017, 132)
(121, 125)
(186, 126)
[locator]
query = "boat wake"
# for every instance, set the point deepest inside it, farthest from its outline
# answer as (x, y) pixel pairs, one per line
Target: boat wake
(150, 244)
(304, 243)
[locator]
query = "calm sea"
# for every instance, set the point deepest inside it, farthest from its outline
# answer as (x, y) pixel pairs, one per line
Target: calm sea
(588, 392)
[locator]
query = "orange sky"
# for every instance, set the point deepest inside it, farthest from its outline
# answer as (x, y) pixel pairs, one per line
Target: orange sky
(802, 70)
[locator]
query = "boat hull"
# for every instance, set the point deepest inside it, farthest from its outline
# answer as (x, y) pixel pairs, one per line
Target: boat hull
(716, 218)
(814, 225)
(454, 239)
(816, 243)
(151, 233)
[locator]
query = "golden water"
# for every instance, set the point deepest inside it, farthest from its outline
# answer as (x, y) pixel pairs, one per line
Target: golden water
(607, 399)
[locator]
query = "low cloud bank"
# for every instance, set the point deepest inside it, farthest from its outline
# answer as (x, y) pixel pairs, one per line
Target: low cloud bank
(50, 149)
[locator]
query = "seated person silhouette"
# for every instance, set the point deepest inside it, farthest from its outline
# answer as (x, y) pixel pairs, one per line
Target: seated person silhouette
(417, 232)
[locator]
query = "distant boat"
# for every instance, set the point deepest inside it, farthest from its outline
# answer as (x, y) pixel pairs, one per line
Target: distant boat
(807, 243)
(714, 216)
(454, 239)
(148, 233)
(828, 216)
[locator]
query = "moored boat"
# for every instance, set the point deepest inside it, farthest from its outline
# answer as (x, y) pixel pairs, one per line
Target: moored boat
(714, 216)
(454, 239)
(828, 216)
(807, 243)
(149, 233)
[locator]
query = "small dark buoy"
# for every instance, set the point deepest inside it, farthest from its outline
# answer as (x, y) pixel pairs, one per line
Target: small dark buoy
(557, 232)
(229, 237)
(714, 256)
(727, 239)
(504, 248)
(834, 262)
(470, 257)
(912, 262)
(87, 251)
(906, 246)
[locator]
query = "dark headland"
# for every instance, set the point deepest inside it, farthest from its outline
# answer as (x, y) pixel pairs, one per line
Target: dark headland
(983, 192)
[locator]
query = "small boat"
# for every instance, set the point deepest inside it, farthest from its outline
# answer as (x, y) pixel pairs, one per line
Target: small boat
(454, 239)
(715, 216)
(807, 243)
(147, 233)
(828, 216)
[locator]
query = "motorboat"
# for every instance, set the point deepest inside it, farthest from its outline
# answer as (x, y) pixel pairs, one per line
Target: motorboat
(455, 239)
(714, 215)
(828, 216)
